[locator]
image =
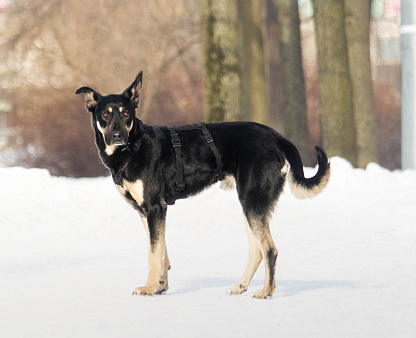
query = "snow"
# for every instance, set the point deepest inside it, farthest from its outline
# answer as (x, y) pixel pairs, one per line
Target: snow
(72, 251)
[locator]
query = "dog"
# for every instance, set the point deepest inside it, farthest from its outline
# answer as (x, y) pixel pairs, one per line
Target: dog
(147, 171)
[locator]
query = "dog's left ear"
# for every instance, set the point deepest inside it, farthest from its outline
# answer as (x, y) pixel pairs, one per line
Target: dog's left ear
(133, 92)
(91, 97)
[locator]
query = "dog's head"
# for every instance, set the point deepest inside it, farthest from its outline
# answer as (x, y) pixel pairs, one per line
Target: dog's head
(113, 114)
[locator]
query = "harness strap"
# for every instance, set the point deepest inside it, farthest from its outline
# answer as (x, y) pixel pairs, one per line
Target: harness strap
(117, 179)
(177, 146)
(210, 140)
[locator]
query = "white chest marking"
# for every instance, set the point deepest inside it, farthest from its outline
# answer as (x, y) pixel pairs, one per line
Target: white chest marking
(109, 150)
(135, 189)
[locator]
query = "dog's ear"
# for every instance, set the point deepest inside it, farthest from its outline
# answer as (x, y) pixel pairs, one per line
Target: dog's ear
(91, 97)
(133, 92)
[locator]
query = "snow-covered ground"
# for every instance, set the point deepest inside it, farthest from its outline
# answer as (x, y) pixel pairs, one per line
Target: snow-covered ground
(72, 251)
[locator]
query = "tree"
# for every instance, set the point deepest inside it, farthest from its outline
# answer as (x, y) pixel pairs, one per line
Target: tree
(293, 83)
(357, 29)
(222, 71)
(274, 68)
(254, 86)
(337, 115)
(48, 48)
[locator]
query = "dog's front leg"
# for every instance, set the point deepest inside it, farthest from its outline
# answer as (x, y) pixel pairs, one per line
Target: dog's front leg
(157, 281)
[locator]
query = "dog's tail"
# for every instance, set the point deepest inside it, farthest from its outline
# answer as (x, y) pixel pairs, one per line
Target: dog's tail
(303, 187)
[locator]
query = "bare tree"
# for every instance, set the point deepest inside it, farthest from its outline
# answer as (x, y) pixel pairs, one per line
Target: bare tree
(255, 106)
(293, 82)
(337, 116)
(222, 69)
(273, 68)
(51, 47)
(357, 29)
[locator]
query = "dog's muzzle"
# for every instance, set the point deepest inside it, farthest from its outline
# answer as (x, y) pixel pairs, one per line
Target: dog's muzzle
(117, 139)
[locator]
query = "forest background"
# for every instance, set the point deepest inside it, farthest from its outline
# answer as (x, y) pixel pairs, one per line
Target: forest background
(319, 72)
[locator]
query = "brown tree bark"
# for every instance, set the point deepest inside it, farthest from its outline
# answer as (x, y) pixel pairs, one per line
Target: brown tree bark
(337, 116)
(273, 68)
(254, 87)
(293, 82)
(357, 29)
(222, 73)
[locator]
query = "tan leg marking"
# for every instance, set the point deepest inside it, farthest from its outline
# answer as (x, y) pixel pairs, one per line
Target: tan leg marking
(254, 260)
(163, 281)
(268, 250)
(158, 266)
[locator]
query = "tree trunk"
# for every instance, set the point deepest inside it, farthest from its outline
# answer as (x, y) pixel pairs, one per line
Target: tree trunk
(253, 62)
(357, 29)
(273, 68)
(222, 80)
(337, 117)
(296, 124)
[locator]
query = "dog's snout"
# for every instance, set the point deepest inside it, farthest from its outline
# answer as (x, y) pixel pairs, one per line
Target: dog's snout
(116, 135)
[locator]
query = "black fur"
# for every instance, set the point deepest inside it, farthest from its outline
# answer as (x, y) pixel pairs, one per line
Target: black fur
(252, 153)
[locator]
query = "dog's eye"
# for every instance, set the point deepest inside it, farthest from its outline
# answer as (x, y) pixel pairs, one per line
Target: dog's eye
(105, 115)
(126, 114)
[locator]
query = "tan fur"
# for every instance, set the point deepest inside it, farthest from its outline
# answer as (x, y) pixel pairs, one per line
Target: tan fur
(131, 126)
(260, 243)
(264, 239)
(228, 183)
(109, 150)
(254, 260)
(135, 189)
(157, 279)
(285, 168)
(89, 99)
(301, 192)
(110, 110)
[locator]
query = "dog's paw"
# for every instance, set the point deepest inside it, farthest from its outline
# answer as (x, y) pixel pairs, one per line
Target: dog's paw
(237, 290)
(262, 294)
(144, 291)
(163, 287)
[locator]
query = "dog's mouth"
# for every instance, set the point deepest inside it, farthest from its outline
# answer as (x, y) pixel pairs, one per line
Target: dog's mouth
(117, 143)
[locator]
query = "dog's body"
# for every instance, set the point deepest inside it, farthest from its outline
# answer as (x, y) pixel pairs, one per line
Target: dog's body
(255, 161)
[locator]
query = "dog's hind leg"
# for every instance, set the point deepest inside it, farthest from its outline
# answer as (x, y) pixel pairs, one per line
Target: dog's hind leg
(155, 223)
(259, 225)
(254, 260)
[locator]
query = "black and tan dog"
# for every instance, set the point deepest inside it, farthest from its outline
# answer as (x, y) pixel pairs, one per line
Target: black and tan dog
(145, 164)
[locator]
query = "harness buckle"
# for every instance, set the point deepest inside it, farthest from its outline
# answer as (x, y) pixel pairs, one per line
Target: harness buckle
(180, 185)
(207, 135)
(176, 141)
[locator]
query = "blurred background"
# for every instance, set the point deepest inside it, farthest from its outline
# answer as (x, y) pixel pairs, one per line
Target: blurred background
(321, 72)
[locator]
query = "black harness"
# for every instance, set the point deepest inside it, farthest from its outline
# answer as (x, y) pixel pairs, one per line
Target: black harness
(177, 146)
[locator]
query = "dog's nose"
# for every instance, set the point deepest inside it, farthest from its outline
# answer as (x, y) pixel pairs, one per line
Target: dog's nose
(116, 135)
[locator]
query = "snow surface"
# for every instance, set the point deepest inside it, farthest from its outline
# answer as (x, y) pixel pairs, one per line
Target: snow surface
(72, 251)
